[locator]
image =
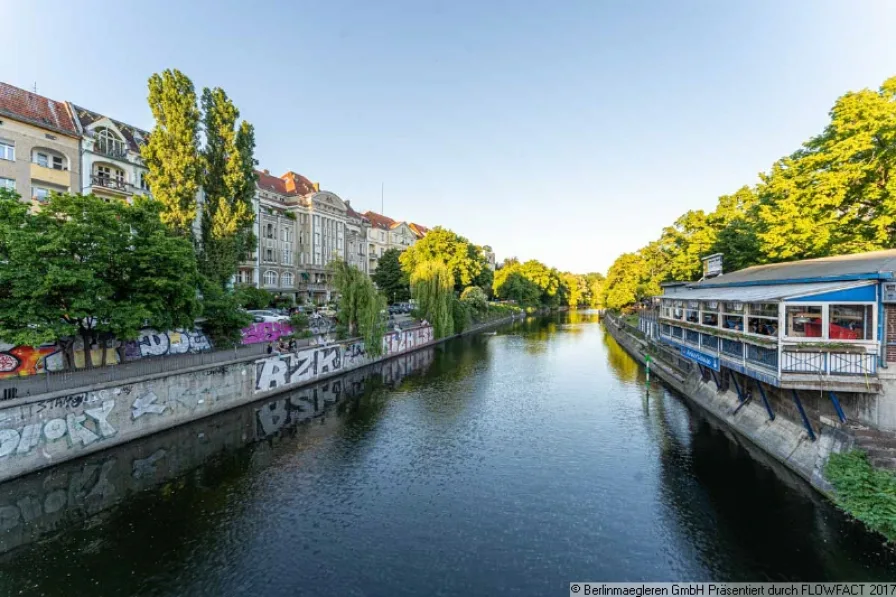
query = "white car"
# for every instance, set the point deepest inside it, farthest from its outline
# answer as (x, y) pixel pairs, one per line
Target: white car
(268, 316)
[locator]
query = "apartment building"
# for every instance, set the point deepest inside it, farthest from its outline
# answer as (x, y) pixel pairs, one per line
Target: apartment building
(39, 145)
(356, 226)
(111, 165)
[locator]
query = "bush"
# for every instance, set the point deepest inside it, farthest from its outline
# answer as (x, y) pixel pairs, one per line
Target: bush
(864, 492)
(222, 317)
(475, 298)
(460, 313)
(249, 297)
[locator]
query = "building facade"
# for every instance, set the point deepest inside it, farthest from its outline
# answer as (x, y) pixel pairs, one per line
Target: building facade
(377, 238)
(356, 230)
(111, 166)
(39, 145)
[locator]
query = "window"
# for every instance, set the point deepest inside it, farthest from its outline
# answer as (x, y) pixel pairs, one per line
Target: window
(40, 194)
(733, 316)
(850, 322)
(270, 278)
(269, 254)
(803, 322)
(109, 176)
(710, 314)
(8, 183)
(48, 159)
(287, 280)
(7, 150)
(763, 319)
(144, 185)
(692, 313)
(269, 231)
(108, 142)
(382, 236)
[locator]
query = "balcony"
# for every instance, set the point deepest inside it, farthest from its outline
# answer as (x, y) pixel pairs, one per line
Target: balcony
(790, 363)
(60, 178)
(111, 150)
(118, 185)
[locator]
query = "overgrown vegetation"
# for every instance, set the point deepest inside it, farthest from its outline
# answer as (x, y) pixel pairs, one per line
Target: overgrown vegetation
(432, 285)
(867, 493)
(360, 306)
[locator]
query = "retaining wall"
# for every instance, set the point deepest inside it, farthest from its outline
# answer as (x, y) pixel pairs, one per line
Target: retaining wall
(40, 431)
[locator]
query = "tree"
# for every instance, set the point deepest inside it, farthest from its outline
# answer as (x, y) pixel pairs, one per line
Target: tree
(250, 297)
(624, 282)
(171, 152)
(390, 278)
(595, 282)
(512, 285)
(360, 306)
(432, 286)
(229, 184)
(223, 319)
(475, 297)
(84, 267)
(464, 259)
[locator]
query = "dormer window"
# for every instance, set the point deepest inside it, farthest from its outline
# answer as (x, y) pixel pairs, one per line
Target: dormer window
(108, 143)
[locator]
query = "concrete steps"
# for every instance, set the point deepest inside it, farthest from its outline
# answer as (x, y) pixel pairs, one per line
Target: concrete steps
(880, 446)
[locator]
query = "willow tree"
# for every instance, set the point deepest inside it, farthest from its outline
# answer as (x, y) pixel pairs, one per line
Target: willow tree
(229, 184)
(432, 286)
(171, 152)
(360, 306)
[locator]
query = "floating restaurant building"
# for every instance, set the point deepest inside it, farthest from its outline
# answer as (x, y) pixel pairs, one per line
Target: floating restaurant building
(825, 324)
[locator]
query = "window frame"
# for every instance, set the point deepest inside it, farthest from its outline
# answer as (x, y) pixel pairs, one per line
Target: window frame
(7, 145)
(801, 305)
(4, 183)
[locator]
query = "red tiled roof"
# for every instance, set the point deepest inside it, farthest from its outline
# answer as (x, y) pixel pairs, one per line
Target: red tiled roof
(379, 221)
(271, 183)
(418, 229)
(296, 184)
(36, 109)
(353, 214)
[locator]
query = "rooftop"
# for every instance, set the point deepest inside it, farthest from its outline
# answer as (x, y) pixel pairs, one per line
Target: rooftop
(379, 220)
(134, 137)
(858, 266)
(36, 109)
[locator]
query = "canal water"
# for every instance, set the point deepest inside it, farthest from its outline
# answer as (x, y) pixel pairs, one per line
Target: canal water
(499, 464)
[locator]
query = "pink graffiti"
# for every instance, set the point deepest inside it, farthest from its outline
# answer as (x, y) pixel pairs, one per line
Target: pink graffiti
(265, 332)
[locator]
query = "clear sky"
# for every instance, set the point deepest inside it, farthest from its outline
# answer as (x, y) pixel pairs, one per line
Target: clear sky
(567, 131)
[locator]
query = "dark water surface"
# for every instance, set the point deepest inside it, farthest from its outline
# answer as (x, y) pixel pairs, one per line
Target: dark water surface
(506, 464)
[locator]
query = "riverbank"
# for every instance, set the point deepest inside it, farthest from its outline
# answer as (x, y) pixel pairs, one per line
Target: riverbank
(784, 440)
(42, 430)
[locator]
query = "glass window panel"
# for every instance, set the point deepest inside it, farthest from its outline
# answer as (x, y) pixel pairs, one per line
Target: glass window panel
(711, 319)
(803, 322)
(733, 322)
(764, 309)
(850, 322)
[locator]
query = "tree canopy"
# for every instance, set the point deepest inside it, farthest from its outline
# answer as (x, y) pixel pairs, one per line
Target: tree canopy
(390, 278)
(81, 266)
(834, 195)
(465, 260)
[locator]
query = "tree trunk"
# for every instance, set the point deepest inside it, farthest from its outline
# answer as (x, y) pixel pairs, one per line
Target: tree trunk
(103, 345)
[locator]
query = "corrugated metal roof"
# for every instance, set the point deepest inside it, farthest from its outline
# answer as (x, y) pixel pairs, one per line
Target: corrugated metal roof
(839, 266)
(756, 294)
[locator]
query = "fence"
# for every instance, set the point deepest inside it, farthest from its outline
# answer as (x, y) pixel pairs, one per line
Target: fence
(19, 387)
(834, 363)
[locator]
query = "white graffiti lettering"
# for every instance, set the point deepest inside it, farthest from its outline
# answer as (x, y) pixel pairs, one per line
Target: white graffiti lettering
(147, 404)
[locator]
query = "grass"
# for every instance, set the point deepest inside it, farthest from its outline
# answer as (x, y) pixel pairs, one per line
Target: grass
(631, 320)
(864, 492)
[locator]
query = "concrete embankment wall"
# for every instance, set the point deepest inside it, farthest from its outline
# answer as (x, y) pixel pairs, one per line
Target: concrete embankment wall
(784, 438)
(43, 430)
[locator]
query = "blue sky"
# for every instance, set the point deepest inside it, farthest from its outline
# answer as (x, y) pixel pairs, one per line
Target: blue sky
(564, 131)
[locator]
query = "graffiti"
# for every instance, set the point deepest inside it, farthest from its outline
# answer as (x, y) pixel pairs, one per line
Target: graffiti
(152, 343)
(146, 467)
(147, 404)
(23, 360)
(289, 369)
(75, 400)
(265, 332)
(82, 429)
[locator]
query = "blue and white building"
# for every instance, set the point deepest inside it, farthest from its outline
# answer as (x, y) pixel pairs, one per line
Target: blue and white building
(821, 324)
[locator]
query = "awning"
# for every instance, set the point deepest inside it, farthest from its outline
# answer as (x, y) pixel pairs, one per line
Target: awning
(758, 294)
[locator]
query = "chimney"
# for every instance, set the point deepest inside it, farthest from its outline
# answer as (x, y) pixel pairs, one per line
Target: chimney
(316, 186)
(268, 172)
(712, 266)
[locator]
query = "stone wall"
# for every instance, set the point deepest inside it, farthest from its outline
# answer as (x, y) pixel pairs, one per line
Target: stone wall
(37, 432)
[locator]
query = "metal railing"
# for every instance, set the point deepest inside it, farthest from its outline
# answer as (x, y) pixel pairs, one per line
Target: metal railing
(692, 337)
(710, 342)
(110, 182)
(733, 348)
(110, 149)
(759, 355)
(831, 363)
(50, 381)
(677, 332)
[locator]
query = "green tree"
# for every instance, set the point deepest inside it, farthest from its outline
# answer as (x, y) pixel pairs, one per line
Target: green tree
(595, 282)
(171, 152)
(624, 283)
(360, 306)
(85, 267)
(222, 317)
(476, 299)
(228, 183)
(432, 285)
(512, 285)
(465, 260)
(250, 297)
(390, 278)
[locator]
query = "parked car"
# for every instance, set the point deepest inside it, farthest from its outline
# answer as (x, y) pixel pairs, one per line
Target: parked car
(327, 312)
(268, 316)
